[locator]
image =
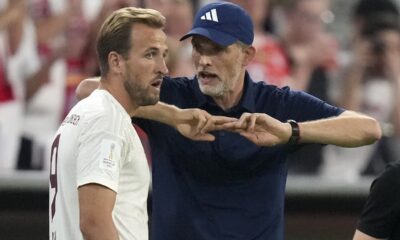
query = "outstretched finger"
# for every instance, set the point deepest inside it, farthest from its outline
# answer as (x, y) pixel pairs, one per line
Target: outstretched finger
(219, 123)
(243, 120)
(227, 126)
(222, 119)
(204, 137)
(209, 126)
(201, 121)
(252, 122)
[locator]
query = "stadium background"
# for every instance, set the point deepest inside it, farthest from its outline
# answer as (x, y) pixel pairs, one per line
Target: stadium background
(315, 208)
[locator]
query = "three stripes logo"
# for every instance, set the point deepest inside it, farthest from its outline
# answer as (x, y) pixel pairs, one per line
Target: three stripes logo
(210, 16)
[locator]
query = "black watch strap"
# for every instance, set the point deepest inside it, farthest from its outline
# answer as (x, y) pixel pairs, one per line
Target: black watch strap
(295, 137)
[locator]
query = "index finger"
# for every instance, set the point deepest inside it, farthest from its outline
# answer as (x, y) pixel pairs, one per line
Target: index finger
(202, 121)
(223, 119)
(216, 123)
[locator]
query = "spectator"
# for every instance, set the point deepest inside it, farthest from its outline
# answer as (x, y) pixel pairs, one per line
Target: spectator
(179, 20)
(21, 67)
(371, 85)
(364, 10)
(44, 95)
(56, 23)
(312, 54)
(270, 63)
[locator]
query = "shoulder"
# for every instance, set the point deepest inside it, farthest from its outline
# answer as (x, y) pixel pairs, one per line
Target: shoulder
(391, 176)
(91, 107)
(291, 104)
(381, 210)
(99, 113)
(284, 93)
(384, 186)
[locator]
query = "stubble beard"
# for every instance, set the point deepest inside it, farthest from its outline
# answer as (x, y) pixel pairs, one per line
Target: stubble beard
(213, 91)
(221, 88)
(140, 96)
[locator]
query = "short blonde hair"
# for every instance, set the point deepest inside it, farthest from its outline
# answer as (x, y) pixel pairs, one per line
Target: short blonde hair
(115, 33)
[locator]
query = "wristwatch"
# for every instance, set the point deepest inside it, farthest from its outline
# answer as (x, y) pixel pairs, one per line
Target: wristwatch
(295, 137)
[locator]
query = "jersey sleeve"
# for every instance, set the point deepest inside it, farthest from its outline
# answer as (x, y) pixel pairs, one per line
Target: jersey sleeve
(380, 213)
(100, 154)
(301, 106)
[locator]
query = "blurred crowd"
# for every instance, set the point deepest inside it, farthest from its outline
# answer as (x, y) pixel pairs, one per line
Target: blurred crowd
(47, 48)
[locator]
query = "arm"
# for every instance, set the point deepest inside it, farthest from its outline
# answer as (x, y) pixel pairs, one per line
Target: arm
(358, 235)
(353, 77)
(352, 88)
(350, 129)
(52, 26)
(308, 56)
(86, 87)
(15, 28)
(41, 77)
(96, 203)
(191, 123)
(14, 12)
(302, 69)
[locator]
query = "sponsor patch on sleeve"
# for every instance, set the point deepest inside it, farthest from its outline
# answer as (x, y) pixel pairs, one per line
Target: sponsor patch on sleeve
(110, 155)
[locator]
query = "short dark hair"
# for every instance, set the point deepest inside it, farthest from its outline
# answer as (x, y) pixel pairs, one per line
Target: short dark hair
(380, 22)
(366, 8)
(115, 33)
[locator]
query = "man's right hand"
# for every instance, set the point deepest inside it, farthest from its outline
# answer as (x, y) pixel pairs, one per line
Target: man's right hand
(261, 129)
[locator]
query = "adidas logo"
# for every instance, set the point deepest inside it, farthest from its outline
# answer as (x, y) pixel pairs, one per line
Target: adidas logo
(210, 15)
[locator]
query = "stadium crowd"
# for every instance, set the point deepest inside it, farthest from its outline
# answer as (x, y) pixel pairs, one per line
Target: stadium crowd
(47, 48)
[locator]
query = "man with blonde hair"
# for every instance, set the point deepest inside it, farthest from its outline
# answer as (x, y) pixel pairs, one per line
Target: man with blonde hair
(99, 177)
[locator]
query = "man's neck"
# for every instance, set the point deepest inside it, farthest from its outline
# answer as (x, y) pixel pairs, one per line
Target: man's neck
(117, 90)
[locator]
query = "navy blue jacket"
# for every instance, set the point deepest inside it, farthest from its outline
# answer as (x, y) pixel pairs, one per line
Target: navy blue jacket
(229, 188)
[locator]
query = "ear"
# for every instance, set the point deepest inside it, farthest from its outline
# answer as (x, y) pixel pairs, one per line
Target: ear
(115, 62)
(249, 54)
